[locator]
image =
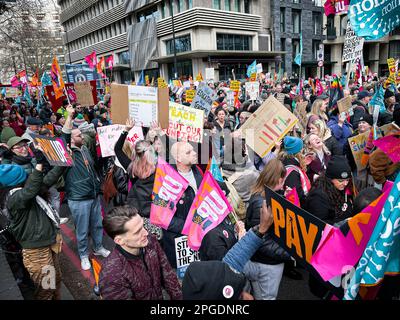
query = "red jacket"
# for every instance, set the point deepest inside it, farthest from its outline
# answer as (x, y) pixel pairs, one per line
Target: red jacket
(124, 276)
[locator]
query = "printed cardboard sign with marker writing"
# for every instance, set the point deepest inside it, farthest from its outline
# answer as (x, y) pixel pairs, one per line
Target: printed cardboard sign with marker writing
(269, 124)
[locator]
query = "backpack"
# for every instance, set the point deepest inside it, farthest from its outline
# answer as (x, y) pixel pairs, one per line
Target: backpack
(237, 203)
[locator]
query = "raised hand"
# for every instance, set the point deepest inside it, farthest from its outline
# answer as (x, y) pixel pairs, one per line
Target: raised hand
(130, 123)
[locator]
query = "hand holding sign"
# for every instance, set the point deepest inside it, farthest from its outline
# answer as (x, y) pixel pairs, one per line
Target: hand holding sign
(130, 123)
(70, 110)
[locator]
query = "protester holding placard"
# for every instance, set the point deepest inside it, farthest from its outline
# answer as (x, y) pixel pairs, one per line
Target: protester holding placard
(341, 129)
(360, 107)
(266, 267)
(82, 187)
(186, 159)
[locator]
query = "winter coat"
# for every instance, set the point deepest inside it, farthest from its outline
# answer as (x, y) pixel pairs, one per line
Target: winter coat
(30, 225)
(125, 276)
(333, 146)
(341, 133)
(318, 204)
(217, 242)
(270, 251)
(316, 167)
(293, 180)
(81, 180)
(381, 167)
(359, 110)
(27, 163)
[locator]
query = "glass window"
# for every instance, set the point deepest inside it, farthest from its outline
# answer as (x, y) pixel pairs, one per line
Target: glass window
(184, 69)
(296, 1)
(296, 21)
(394, 49)
(283, 44)
(217, 4)
(246, 6)
(180, 6)
(343, 25)
(189, 4)
(163, 10)
(233, 42)
(317, 23)
(124, 57)
(282, 20)
(295, 48)
(227, 6)
(183, 44)
(236, 5)
(315, 48)
(148, 13)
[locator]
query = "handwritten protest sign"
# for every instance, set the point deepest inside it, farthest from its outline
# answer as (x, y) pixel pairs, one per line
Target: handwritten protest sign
(204, 99)
(54, 150)
(353, 45)
(83, 91)
(210, 74)
(184, 255)
(252, 89)
(344, 104)
(270, 123)
(108, 137)
(190, 94)
(390, 145)
(357, 146)
(185, 123)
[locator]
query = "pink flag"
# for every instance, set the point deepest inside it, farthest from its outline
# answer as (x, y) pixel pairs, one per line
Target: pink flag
(341, 248)
(168, 188)
(318, 87)
(293, 197)
(390, 145)
(15, 81)
(329, 7)
(208, 210)
(110, 61)
(91, 59)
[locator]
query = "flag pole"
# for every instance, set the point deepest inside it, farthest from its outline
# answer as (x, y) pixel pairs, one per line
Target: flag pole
(65, 92)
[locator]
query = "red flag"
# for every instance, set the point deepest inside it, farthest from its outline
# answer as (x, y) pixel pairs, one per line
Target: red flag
(56, 79)
(110, 61)
(91, 59)
(318, 87)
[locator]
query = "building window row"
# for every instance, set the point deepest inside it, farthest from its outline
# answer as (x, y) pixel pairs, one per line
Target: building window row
(237, 5)
(169, 7)
(105, 33)
(93, 11)
(233, 42)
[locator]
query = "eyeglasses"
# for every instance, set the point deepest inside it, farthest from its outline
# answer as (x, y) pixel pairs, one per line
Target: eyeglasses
(20, 146)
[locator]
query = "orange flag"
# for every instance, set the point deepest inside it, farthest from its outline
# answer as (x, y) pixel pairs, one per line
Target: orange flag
(96, 270)
(56, 79)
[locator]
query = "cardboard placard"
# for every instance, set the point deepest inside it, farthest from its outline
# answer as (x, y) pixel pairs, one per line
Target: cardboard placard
(12, 92)
(270, 123)
(109, 135)
(210, 74)
(83, 91)
(184, 255)
(120, 104)
(281, 97)
(185, 123)
(357, 146)
(387, 129)
(54, 149)
(344, 104)
(301, 113)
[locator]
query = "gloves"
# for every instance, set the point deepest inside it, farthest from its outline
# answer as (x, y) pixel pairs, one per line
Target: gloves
(39, 156)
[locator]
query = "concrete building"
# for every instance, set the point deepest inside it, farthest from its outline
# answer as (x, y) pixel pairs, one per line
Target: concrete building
(375, 52)
(289, 19)
(222, 34)
(97, 25)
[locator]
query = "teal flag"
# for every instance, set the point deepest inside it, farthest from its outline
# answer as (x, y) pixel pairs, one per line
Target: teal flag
(27, 97)
(381, 255)
(378, 99)
(141, 79)
(374, 19)
(252, 68)
(216, 171)
(298, 57)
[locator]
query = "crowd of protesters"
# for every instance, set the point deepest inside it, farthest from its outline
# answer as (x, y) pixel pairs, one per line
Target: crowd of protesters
(241, 256)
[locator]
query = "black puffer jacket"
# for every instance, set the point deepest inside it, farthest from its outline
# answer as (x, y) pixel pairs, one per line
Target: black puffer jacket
(217, 242)
(270, 252)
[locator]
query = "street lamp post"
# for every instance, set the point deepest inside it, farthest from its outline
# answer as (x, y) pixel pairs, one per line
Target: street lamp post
(173, 37)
